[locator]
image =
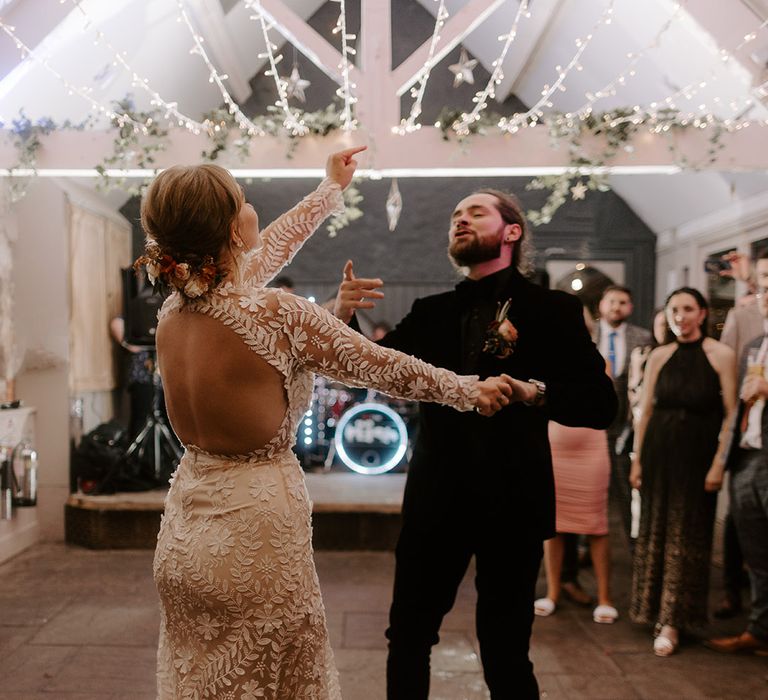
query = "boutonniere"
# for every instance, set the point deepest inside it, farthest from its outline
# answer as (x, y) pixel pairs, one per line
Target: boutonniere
(501, 336)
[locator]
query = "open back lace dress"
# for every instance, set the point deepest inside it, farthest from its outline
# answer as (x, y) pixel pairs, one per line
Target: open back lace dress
(241, 612)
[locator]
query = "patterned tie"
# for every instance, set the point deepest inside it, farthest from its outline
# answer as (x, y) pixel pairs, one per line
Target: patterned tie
(612, 352)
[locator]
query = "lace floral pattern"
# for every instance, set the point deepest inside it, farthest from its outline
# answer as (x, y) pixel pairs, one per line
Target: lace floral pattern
(242, 615)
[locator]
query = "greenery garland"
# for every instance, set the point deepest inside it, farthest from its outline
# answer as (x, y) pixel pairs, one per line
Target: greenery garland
(133, 147)
(25, 137)
(613, 131)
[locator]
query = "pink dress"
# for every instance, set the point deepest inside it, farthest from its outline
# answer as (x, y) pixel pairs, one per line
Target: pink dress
(582, 467)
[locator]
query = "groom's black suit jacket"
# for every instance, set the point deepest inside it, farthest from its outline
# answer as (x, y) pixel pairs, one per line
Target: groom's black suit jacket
(465, 464)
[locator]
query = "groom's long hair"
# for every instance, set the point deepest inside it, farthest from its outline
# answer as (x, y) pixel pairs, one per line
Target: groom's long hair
(512, 213)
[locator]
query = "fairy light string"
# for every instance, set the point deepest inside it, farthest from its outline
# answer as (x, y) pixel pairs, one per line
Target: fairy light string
(346, 91)
(292, 121)
(513, 124)
(657, 113)
(631, 68)
(410, 124)
(120, 117)
(172, 113)
(214, 77)
(461, 126)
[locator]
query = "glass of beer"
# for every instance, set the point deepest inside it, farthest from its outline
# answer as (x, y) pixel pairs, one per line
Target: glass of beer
(755, 367)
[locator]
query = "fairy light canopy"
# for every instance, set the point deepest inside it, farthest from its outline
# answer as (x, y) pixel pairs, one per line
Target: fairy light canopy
(186, 57)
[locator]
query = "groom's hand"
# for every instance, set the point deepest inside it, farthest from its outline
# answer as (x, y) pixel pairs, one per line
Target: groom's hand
(353, 293)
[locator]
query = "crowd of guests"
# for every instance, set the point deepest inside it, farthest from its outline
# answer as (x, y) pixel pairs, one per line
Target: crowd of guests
(691, 409)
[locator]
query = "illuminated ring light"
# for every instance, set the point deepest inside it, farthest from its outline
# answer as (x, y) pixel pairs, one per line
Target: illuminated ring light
(368, 469)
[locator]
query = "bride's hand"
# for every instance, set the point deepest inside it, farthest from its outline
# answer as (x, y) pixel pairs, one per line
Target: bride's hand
(341, 166)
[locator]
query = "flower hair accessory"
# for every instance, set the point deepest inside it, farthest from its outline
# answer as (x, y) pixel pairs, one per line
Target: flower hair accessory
(501, 336)
(192, 279)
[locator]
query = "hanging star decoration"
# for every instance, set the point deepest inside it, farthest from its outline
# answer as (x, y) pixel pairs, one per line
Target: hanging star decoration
(394, 205)
(462, 71)
(578, 191)
(295, 85)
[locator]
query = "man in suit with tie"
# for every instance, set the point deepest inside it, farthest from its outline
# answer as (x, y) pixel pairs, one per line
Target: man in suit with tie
(616, 339)
(478, 486)
(748, 482)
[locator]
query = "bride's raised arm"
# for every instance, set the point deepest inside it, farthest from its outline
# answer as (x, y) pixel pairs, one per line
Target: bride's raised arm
(281, 240)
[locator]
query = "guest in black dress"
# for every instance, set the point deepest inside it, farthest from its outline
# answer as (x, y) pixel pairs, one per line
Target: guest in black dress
(688, 398)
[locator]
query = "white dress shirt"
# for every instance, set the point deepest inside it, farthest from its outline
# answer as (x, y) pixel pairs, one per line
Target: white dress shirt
(619, 345)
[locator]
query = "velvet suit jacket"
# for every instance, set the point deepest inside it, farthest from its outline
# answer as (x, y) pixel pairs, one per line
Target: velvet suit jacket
(469, 467)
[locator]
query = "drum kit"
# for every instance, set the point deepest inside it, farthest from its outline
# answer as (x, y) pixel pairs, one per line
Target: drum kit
(335, 406)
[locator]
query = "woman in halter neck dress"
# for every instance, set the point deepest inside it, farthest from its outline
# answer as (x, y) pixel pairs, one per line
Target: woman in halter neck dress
(689, 396)
(241, 611)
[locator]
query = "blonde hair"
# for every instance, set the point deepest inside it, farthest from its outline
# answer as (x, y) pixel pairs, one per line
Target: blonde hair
(187, 214)
(188, 211)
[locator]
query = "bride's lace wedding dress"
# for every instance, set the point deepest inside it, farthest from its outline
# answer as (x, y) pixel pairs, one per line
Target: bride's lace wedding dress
(242, 615)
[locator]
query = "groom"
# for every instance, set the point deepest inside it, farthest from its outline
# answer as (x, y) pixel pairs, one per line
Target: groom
(478, 486)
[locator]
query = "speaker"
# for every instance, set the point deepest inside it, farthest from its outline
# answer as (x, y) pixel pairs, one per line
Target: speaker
(140, 307)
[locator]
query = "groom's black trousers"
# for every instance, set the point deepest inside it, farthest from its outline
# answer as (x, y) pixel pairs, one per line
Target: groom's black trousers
(431, 560)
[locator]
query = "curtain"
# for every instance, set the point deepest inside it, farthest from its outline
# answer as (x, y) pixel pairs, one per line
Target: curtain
(98, 248)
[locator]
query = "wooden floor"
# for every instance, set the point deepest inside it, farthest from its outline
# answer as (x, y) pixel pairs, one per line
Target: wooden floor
(78, 624)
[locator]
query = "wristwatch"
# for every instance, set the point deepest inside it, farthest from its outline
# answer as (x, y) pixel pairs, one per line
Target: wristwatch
(541, 393)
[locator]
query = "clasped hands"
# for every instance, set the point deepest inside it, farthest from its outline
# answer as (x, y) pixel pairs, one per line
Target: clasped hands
(496, 392)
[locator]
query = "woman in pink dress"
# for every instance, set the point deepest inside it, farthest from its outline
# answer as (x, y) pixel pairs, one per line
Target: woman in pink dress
(582, 467)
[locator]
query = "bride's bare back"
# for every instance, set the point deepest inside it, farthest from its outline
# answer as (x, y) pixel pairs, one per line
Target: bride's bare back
(220, 395)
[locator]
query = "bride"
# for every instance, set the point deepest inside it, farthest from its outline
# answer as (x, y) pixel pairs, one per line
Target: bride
(241, 611)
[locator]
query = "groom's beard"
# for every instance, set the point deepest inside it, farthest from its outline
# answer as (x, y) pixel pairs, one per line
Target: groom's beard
(471, 251)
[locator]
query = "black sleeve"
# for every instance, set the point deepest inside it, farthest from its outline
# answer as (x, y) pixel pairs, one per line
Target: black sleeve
(579, 391)
(404, 336)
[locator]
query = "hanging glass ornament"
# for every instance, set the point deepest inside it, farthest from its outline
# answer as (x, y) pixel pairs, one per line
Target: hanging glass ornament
(394, 205)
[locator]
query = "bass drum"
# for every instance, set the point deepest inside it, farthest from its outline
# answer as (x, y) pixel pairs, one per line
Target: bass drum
(371, 438)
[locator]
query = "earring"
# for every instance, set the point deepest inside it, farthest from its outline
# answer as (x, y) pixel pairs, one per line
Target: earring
(238, 241)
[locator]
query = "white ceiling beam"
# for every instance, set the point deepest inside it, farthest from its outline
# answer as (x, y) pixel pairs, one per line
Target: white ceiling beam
(425, 150)
(296, 30)
(208, 18)
(460, 25)
(378, 109)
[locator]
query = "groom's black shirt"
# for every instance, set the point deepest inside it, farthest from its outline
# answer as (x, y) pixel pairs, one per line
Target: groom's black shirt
(479, 301)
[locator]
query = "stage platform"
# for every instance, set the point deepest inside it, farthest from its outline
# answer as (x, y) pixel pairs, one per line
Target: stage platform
(350, 512)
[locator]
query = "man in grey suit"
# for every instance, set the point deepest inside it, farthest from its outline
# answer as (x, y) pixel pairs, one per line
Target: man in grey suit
(616, 339)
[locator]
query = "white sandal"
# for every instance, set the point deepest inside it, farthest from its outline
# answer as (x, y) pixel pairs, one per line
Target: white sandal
(664, 646)
(544, 607)
(605, 614)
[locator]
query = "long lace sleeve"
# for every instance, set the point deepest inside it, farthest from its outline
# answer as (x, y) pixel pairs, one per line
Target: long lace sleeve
(319, 342)
(283, 238)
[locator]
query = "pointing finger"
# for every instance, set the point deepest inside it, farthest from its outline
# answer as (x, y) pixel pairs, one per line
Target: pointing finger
(349, 152)
(348, 271)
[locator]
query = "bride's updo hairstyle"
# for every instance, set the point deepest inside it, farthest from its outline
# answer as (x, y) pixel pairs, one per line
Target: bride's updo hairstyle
(187, 214)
